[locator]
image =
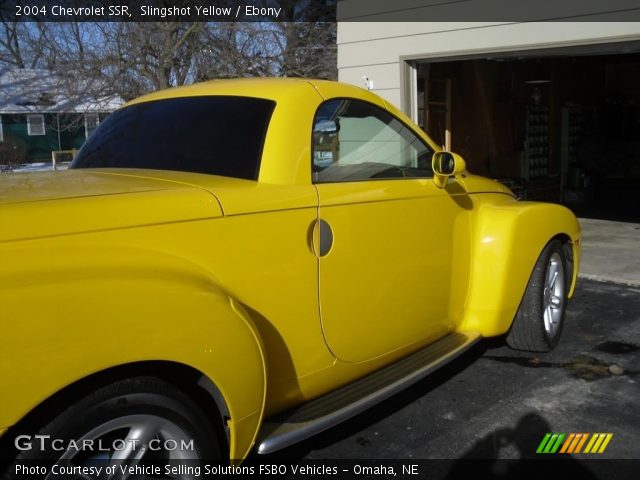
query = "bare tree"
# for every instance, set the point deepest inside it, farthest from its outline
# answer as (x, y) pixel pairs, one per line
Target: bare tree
(21, 44)
(11, 43)
(307, 38)
(128, 59)
(139, 57)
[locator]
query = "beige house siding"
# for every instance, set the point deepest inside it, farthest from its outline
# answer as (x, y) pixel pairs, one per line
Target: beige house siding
(381, 50)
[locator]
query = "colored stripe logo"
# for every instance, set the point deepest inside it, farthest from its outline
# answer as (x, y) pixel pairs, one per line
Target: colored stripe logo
(574, 443)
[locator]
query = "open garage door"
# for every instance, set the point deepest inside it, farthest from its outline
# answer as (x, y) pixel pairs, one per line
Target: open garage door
(557, 125)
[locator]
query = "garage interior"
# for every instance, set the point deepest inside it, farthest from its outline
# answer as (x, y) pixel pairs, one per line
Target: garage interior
(559, 125)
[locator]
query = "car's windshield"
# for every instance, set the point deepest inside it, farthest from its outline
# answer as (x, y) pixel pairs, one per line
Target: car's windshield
(209, 134)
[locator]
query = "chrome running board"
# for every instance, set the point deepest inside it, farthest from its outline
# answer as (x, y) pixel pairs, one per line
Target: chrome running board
(335, 407)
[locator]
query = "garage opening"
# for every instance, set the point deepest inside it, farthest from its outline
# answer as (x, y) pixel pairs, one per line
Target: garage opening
(559, 125)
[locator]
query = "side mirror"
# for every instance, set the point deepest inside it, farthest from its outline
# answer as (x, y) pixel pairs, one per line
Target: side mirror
(446, 164)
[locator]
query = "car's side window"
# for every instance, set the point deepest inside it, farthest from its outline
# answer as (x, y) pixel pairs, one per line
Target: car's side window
(355, 140)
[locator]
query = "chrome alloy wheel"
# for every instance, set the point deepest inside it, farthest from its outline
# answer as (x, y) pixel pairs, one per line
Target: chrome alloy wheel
(553, 295)
(130, 439)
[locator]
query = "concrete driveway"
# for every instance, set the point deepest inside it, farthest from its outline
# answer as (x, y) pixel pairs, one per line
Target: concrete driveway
(610, 251)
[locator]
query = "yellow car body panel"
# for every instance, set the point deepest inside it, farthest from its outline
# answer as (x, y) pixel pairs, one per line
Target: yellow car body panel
(406, 264)
(89, 266)
(56, 339)
(102, 268)
(139, 202)
(507, 238)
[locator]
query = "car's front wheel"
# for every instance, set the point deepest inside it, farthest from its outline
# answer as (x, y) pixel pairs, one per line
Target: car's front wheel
(141, 419)
(540, 318)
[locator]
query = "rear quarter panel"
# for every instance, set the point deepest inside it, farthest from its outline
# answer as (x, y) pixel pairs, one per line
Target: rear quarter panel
(226, 296)
(71, 309)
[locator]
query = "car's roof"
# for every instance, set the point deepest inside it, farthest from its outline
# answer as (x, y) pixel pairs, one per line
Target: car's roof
(268, 88)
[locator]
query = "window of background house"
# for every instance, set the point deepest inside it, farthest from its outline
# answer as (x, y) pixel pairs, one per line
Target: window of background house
(35, 124)
(355, 140)
(91, 122)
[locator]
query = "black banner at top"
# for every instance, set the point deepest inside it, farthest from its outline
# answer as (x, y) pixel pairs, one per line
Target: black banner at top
(320, 10)
(169, 11)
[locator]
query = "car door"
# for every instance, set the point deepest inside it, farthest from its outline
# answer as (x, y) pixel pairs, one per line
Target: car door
(386, 233)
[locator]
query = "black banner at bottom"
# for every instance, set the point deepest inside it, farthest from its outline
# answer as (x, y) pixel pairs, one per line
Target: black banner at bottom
(580, 469)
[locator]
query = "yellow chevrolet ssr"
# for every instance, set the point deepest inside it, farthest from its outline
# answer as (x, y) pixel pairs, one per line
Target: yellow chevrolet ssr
(242, 264)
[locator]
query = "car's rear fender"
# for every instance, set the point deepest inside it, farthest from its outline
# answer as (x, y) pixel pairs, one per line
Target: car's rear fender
(123, 305)
(507, 239)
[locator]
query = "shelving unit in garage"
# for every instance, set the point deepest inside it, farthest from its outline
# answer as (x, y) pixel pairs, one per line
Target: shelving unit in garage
(572, 130)
(536, 153)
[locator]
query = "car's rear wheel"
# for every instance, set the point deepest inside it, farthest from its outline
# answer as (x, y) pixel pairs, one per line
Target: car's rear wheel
(142, 419)
(540, 318)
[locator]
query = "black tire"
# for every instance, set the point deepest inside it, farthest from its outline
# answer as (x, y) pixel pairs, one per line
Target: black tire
(140, 399)
(528, 331)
